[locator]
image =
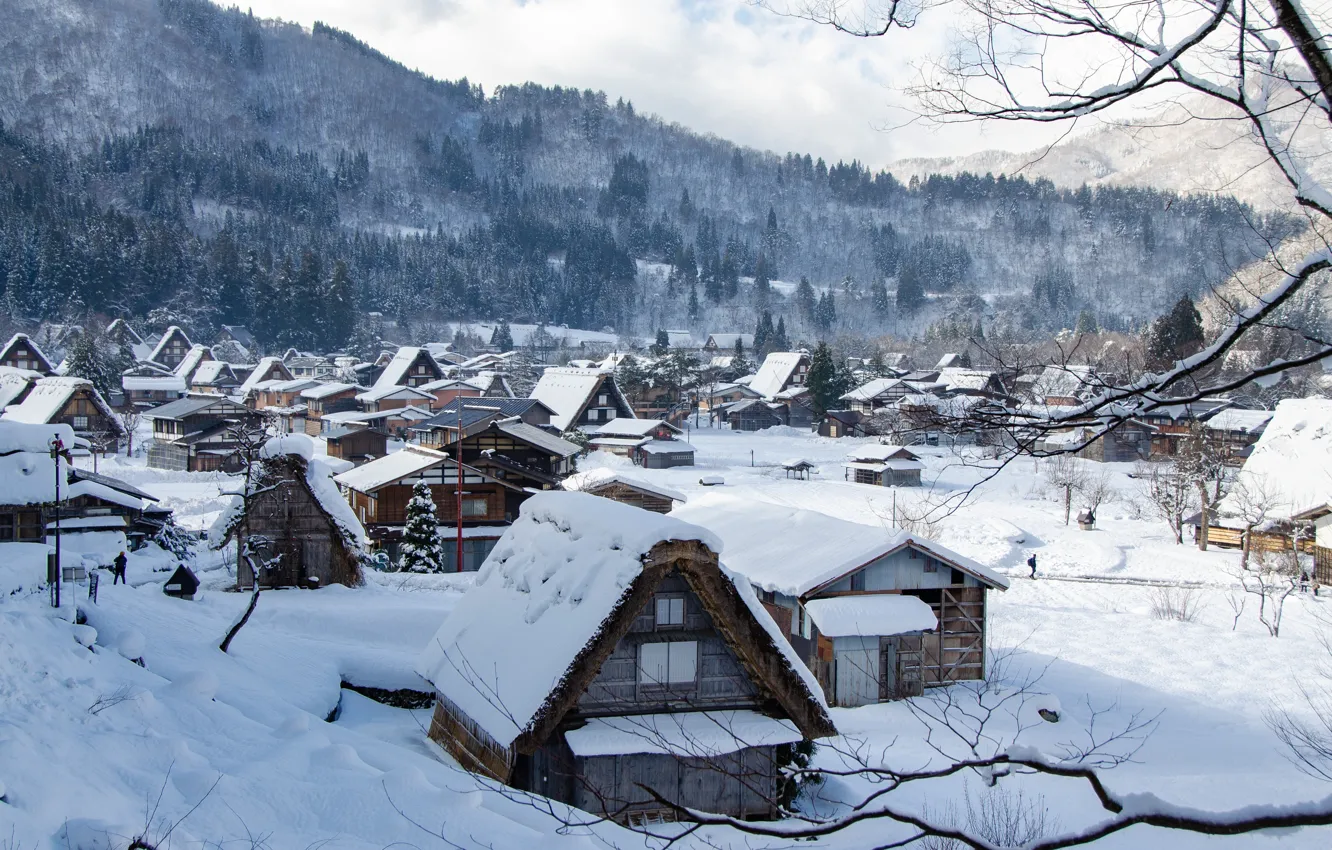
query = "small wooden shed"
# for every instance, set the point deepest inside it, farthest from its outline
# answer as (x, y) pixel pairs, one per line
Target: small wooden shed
(296, 522)
(602, 649)
(613, 485)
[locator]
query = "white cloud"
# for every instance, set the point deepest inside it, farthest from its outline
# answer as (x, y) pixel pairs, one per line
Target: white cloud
(716, 66)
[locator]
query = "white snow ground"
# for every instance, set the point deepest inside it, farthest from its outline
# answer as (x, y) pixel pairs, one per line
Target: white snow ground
(201, 748)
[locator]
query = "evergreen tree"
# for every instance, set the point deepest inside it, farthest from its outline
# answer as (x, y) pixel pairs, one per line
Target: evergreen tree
(662, 344)
(910, 291)
(822, 380)
(1086, 323)
(762, 287)
(1175, 335)
(339, 309)
(764, 334)
(502, 339)
(805, 301)
(879, 299)
(694, 309)
(89, 361)
(421, 550)
(740, 365)
(781, 343)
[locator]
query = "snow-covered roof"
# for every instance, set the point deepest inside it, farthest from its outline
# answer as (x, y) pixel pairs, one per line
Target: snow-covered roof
(881, 452)
(871, 390)
(541, 597)
(31, 345)
(623, 427)
(798, 463)
(1059, 381)
(885, 465)
(287, 386)
(777, 369)
(566, 392)
(326, 390)
(49, 397)
(166, 337)
(728, 340)
(167, 383)
(193, 358)
(592, 480)
(319, 480)
(871, 615)
(261, 370)
(1291, 464)
(211, 372)
(759, 540)
(666, 447)
(26, 467)
(686, 734)
(1237, 419)
(13, 383)
(380, 392)
(417, 414)
(538, 437)
(396, 370)
(956, 378)
(369, 477)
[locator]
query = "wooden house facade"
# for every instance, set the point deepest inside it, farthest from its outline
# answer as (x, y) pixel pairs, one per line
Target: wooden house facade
(197, 433)
(581, 398)
(357, 445)
(503, 464)
(327, 398)
(684, 658)
(22, 353)
(67, 401)
(650, 443)
(884, 466)
(171, 348)
(626, 489)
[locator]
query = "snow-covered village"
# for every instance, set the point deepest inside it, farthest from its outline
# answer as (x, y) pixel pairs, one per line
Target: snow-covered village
(392, 460)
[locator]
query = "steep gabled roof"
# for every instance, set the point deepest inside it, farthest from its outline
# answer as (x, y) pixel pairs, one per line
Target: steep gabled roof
(194, 358)
(759, 538)
(560, 590)
(776, 371)
(633, 428)
(396, 372)
(170, 333)
(262, 372)
(568, 392)
(48, 399)
(14, 340)
(594, 480)
(214, 373)
(1291, 464)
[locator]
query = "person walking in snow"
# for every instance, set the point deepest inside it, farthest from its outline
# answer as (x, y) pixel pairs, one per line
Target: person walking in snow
(1031, 562)
(118, 569)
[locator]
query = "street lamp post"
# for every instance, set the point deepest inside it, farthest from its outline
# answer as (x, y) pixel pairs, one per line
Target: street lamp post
(57, 447)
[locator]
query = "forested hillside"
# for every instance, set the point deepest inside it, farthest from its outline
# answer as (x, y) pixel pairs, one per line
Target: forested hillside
(169, 155)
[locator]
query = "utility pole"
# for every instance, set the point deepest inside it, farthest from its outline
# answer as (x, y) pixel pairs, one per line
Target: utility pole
(458, 476)
(56, 448)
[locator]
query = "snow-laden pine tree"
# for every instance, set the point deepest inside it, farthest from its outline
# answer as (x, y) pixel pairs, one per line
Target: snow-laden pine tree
(421, 551)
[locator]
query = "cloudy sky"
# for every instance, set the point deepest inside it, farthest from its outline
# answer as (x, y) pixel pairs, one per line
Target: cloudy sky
(716, 66)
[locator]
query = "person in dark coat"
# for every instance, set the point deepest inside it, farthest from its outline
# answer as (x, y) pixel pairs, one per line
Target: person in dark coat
(1031, 562)
(118, 569)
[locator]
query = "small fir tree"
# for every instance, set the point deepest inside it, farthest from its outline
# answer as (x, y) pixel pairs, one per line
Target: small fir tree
(740, 365)
(502, 339)
(421, 551)
(823, 380)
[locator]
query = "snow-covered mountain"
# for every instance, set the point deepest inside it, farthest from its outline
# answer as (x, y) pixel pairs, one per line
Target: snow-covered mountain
(1194, 146)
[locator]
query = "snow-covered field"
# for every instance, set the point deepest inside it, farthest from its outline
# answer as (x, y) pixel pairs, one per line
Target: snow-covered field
(263, 747)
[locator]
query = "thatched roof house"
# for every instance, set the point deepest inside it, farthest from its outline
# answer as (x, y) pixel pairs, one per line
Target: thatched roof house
(604, 646)
(296, 522)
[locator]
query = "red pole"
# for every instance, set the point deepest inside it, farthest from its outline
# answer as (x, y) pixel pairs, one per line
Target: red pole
(458, 480)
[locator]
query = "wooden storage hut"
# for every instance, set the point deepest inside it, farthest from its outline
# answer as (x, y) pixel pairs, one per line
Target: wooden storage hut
(609, 484)
(886, 466)
(296, 522)
(661, 670)
(872, 644)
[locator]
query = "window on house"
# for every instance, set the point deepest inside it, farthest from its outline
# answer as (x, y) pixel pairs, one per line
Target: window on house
(80, 423)
(674, 663)
(475, 507)
(931, 565)
(957, 577)
(858, 580)
(670, 611)
(30, 526)
(6, 527)
(603, 400)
